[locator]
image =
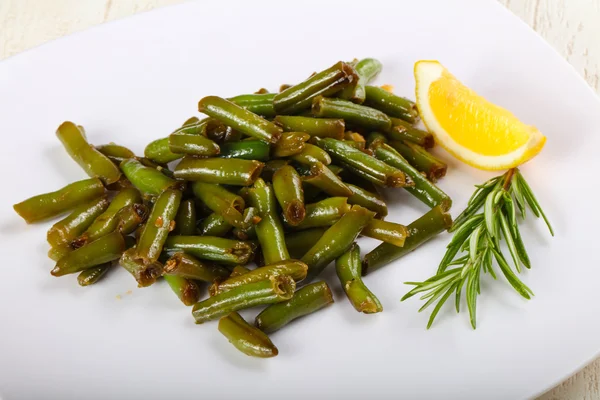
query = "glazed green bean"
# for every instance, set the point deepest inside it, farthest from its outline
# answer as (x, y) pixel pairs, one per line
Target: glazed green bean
(336, 240)
(388, 232)
(51, 204)
(145, 273)
(307, 300)
(94, 163)
(115, 152)
(273, 290)
(238, 270)
(312, 154)
(353, 114)
(299, 97)
(193, 144)
(246, 338)
(298, 243)
(251, 218)
(291, 143)
(389, 103)
(100, 251)
(239, 118)
(187, 266)
(234, 171)
(214, 225)
(246, 149)
(225, 251)
(348, 267)
(356, 145)
(367, 199)
(272, 166)
(90, 276)
(402, 130)
(186, 289)
(375, 138)
(56, 253)
(258, 103)
(160, 222)
(185, 221)
(420, 231)
(324, 213)
(367, 69)
(68, 228)
(148, 180)
(323, 178)
(159, 150)
(221, 201)
(421, 159)
(322, 127)
(287, 186)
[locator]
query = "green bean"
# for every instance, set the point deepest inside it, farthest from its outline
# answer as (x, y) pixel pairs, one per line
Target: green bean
(324, 213)
(251, 218)
(421, 159)
(115, 152)
(187, 266)
(353, 114)
(336, 169)
(375, 138)
(373, 169)
(298, 243)
(221, 201)
(336, 240)
(307, 300)
(160, 222)
(94, 163)
(322, 127)
(312, 154)
(186, 289)
(367, 69)
(402, 130)
(246, 338)
(214, 225)
(389, 103)
(159, 150)
(239, 118)
(100, 251)
(388, 232)
(236, 171)
(68, 228)
(238, 270)
(269, 230)
(367, 199)
(290, 143)
(349, 270)
(197, 145)
(423, 189)
(356, 145)
(287, 186)
(273, 290)
(323, 178)
(145, 273)
(51, 204)
(292, 268)
(246, 149)
(420, 231)
(258, 103)
(56, 253)
(90, 276)
(185, 221)
(225, 251)
(272, 166)
(299, 97)
(148, 180)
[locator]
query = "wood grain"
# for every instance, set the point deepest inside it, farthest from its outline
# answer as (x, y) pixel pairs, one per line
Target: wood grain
(572, 27)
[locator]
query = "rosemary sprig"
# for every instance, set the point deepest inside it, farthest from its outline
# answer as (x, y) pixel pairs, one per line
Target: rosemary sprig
(476, 242)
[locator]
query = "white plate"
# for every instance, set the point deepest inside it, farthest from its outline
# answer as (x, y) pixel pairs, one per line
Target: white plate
(135, 80)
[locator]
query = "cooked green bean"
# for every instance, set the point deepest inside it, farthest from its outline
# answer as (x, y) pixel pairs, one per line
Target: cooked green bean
(148, 180)
(336, 240)
(291, 143)
(159, 150)
(292, 268)
(247, 150)
(234, 171)
(348, 267)
(251, 218)
(421, 159)
(423, 189)
(221, 201)
(185, 221)
(336, 169)
(90, 276)
(353, 114)
(56, 253)
(186, 289)
(287, 186)
(100, 251)
(307, 300)
(272, 290)
(115, 152)
(367, 199)
(420, 231)
(356, 145)
(323, 178)
(94, 163)
(298, 243)
(375, 138)
(187, 266)
(258, 103)
(299, 97)
(389, 103)
(239, 270)
(160, 222)
(324, 213)
(246, 338)
(51, 204)
(125, 221)
(239, 118)
(73, 225)
(226, 251)
(145, 273)
(402, 130)
(214, 225)
(322, 127)
(312, 154)
(367, 69)
(386, 231)
(272, 166)
(197, 145)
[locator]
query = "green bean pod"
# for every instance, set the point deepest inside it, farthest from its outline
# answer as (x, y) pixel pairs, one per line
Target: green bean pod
(187, 266)
(56, 253)
(236, 171)
(421, 159)
(159, 150)
(367, 69)
(423, 189)
(90, 276)
(246, 338)
(214, 225)
(307, 300)
(322, 127)
(185, 220)
(94, 163)
(100, 251)
(148, 180)
(299, 97)
(367, 199)
(420, 231)
(115, 152)
(376, 138)
(272, 290)
(225, 251)
(51, 204)
(389, 103)
(336, 240)
(272, 166)
(197, 145)
(402, 130)
(239, 270)
(160, 222)
(287, 186)
(186, 289)
(349, 270)
(239, 118)
(298, 243)
(323, 178)
(68, 228)
(258, 103)
(290, 143)
(386, 231)
(353, 114)
(246, 149)
(221, 201)
(324, 213)
(145, 273)
(312, 154)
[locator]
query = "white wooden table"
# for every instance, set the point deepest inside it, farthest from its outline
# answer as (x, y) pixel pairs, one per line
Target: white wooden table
(571, 26)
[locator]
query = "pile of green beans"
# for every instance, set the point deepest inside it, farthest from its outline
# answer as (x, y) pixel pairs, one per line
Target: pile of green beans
(249, 204)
